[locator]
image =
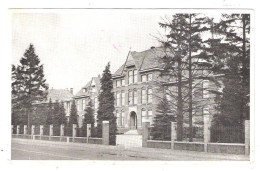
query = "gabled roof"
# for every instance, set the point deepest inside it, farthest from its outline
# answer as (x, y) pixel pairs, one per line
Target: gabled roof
(94, 80)
(145, 60)
(60, 95)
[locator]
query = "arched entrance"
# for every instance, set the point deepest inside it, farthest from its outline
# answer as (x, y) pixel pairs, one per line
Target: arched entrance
(133, 120)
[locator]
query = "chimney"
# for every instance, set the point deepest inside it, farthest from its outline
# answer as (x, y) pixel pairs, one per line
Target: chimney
(71, 91)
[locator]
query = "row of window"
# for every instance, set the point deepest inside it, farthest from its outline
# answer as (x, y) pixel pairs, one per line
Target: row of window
(132, 78)
(146, 97)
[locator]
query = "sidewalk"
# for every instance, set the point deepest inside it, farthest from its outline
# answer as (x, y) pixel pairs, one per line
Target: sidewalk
(152, 153)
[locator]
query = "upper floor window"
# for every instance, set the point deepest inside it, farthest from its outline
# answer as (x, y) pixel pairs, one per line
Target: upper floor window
(144, 78)
(118, 83)
(135, 96)
(84, 90)
(130, 77)
(150, 77)
(123, 98)
(123, 82)
(143, 96)
(118, 98)
(149, 95)
(130, 97)
(135, 76)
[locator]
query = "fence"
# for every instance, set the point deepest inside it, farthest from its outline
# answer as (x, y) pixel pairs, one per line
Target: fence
(69, 130)
(233, 140)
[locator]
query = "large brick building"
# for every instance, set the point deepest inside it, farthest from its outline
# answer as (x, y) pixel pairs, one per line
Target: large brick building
(139, 87)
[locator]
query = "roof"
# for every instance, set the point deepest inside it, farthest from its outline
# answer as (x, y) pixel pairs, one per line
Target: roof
(58, 95)
(145, 60)
(95, 80)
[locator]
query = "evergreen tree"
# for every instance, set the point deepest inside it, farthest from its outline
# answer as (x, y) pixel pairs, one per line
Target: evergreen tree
(62, 114)
(28, 82)
(56, 116)
(161, 129)
(235, 30)
(184, 58)
(106, 106)
(89, 117)
(73, 119)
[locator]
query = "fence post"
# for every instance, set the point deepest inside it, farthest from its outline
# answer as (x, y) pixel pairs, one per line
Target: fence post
(247, 137)
(51, 130)
(145, 137)
(74, 131)
(173, 133)
(25, 129)
(62, 130)
(18, 129)
(33, 128)
(206, 131)
(105, 132)
(41, 130)
(88, 131)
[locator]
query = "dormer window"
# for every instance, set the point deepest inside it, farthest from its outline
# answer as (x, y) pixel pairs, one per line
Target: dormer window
(118, 83)
(84, 90)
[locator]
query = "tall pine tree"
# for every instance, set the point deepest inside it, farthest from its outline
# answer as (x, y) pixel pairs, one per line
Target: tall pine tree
(29, 84)
(184, 59)
(106, 106)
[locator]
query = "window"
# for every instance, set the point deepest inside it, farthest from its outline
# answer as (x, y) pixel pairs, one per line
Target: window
(123, 98)
(150, 115)
(118, 98)
(130, 77)
(95, 117)
(118, 83)
(135, 76)
(135, 96)
(130, 97)
(143, 113)
(149, 95)
(117, 118)
(123, 82)
(83, 104)
(150, 77)
(143, 94)
(144, 78)
(123, 118)
(84, 90)
(93, 89)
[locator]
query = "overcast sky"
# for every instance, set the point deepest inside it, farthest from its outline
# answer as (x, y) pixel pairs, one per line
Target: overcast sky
(75, 45)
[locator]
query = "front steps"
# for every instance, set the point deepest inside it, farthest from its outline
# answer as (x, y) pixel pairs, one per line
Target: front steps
(129, 139)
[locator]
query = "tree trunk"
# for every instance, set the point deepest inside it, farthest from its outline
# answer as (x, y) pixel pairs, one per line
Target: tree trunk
(180, 104)
(190, 87)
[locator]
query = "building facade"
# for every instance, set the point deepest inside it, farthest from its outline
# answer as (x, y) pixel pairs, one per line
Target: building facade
(88, 92)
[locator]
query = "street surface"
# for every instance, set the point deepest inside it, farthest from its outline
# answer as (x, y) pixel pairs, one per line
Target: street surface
(23, 149)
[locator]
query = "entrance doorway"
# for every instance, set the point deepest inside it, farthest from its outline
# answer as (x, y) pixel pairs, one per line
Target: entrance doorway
(133, 120)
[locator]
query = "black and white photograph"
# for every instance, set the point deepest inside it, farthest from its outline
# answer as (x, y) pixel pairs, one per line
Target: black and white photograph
(132, 86)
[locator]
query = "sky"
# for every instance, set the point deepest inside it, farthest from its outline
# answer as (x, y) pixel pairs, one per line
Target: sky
(76, 45)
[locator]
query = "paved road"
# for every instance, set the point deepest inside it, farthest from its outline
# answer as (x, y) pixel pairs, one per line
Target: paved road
(45, 150)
